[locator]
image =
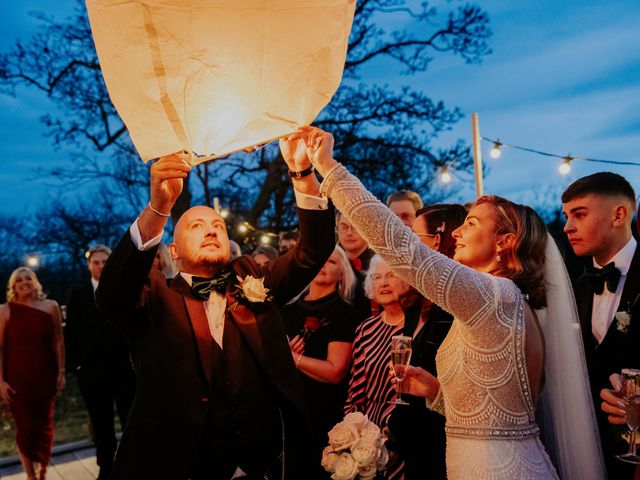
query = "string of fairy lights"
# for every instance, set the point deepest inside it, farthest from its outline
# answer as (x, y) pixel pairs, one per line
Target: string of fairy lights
(564, 168)
(262, 237)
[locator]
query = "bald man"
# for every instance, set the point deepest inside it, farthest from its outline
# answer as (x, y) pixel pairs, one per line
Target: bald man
(218, 396)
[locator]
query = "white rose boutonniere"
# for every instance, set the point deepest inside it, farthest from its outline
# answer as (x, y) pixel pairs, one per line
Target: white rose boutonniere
(253, 289)
(623, 319)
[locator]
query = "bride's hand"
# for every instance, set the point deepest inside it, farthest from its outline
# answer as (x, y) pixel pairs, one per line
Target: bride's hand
(319, 148)
(418, 382)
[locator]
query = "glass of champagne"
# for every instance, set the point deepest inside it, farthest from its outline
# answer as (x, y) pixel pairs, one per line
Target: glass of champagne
(400, 356)
(631, 394)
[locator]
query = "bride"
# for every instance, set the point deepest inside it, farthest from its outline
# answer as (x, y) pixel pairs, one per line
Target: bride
(493, 366)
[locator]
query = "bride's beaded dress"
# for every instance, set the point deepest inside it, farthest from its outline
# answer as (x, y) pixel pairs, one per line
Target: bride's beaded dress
(484, 389)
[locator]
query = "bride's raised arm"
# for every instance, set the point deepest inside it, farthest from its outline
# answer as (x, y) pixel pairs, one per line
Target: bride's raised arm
(467, 294)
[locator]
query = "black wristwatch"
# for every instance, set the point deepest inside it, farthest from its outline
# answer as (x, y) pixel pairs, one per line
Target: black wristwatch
(302, 173)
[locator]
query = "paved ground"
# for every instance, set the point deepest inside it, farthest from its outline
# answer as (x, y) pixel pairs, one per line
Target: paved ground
(69, 465)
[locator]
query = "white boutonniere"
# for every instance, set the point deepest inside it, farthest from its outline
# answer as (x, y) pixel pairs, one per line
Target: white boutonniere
(623, 319)
(253, 290)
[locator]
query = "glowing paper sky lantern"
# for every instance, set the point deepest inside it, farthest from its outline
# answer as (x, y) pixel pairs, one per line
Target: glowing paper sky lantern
(216, 76)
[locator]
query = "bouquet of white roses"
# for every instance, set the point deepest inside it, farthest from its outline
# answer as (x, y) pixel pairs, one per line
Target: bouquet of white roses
(356, 449)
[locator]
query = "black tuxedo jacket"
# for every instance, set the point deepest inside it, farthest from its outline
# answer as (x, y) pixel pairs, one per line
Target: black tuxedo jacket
(617, 350)
(91, 343)
(171, 347)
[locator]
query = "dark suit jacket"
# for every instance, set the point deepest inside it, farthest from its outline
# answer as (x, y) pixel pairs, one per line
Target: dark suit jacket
(172, 352)
(617, 350)
(91, 343)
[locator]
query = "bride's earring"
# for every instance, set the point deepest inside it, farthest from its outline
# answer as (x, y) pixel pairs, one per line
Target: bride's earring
(498, 258)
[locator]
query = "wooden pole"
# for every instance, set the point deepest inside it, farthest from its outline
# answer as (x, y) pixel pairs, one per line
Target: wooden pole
(216, 204)
(477, 154)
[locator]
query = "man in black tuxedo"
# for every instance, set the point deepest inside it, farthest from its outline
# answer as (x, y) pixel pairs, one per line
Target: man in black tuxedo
(98, 355)
(599, 210)
(218, 395)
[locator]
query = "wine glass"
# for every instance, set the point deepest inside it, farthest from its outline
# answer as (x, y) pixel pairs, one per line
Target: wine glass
(631, 394)
(400, 356)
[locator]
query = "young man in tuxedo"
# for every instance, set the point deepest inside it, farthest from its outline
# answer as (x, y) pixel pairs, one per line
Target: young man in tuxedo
(98, 354)
(599, 210)
(218, 394)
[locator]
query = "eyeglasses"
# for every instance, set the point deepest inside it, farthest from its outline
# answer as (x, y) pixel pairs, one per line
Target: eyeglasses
(343, 228)
(425, 234)
(389, 277)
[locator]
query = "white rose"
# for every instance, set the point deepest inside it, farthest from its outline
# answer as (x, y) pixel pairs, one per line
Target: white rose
(253, 289)
(369, 471)
(372, 433)
(383, 458)
(357, 419)
(329, 458)
(344, 468)
(342, 436)
(364, 452)
(623, 319)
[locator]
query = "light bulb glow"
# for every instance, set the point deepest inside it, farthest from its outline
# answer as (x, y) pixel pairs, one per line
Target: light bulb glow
(33, 261)
(495, 152)
(565, 167)
(264, 239)
(242, 228)
(224, 213)
(445, 176)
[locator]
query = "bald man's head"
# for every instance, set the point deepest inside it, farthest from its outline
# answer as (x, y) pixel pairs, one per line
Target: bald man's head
(200, 242)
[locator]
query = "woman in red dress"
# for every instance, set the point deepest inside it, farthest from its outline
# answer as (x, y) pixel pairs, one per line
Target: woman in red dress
(31, 367)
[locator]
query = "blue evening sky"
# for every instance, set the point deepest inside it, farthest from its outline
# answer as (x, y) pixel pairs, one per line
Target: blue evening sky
(564, 77)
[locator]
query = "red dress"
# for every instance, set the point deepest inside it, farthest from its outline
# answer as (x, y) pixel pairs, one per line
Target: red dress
(30, 367)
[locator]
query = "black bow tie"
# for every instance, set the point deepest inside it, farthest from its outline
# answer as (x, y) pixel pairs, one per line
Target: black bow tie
(202, 287)
(598, 276)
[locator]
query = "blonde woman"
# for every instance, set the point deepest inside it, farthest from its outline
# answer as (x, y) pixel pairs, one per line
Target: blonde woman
(321, 324)
(31, 367)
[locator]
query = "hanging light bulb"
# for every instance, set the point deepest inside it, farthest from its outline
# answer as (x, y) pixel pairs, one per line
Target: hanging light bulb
(445, 176)
(495, 152)
(32, 261)
(224, 213)
(264, 239)
(242, 228)
(565, 166)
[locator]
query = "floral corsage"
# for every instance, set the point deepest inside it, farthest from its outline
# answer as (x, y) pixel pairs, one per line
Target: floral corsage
(623, 319)
(252, 290)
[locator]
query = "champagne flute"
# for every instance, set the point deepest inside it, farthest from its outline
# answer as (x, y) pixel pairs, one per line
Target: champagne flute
(631, 394)
(400, 356)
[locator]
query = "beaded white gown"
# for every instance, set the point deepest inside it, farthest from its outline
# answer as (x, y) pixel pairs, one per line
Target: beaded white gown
(484, 390)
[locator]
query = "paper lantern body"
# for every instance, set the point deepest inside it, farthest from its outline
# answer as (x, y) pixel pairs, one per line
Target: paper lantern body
(216, 76)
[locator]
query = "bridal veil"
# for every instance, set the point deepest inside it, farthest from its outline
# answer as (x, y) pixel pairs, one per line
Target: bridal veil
(566, 413)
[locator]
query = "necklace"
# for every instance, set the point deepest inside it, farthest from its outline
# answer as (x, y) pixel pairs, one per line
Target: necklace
(384, 319)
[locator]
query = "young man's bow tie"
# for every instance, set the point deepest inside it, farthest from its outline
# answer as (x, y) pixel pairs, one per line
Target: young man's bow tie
(597, 277)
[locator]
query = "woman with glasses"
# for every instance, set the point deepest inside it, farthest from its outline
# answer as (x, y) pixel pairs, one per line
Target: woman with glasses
(370, 391)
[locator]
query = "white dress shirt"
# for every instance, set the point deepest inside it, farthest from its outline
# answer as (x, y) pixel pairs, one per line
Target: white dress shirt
(607, 303)
(217, 303)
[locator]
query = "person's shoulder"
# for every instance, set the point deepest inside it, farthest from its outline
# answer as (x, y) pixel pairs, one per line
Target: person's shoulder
(368, 325)
(4, 311)
(50, 305)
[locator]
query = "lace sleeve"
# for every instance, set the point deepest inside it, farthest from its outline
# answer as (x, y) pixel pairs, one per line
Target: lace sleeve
(470, 296)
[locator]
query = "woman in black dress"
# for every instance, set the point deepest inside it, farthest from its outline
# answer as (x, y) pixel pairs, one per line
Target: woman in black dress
(321, 324)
